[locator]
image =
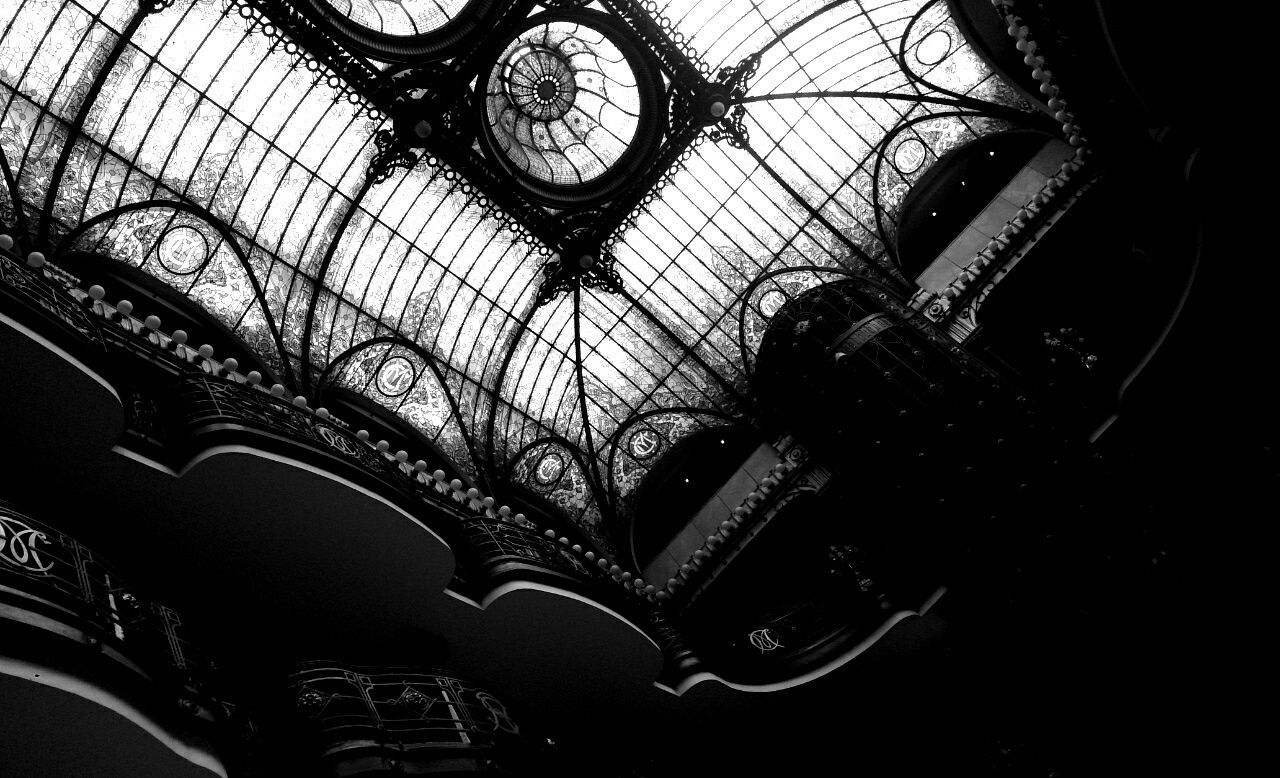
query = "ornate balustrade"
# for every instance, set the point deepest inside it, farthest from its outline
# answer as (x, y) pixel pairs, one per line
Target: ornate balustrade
(214, 402)
(208, 406)
(26, 284)
(490, 546)
(48, 573)
(500, 549)
(370, 719)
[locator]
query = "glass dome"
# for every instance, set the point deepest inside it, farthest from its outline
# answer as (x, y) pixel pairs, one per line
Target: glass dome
(566, 100)
(232, 163)
(562, 103)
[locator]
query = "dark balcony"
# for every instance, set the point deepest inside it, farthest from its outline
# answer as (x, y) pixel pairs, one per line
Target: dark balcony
(387, 721)
(501, 551)
(46, 335)
(372, 535)
(115, 667)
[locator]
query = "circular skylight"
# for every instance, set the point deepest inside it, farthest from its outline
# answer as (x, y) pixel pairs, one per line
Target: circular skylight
(644, 443)
(563, 103)
(396, 376)
(549, 469)
(183, 250)
(399, 17)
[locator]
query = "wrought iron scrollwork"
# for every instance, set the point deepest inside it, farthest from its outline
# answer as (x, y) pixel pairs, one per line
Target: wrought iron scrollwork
(392, 155)
(20, 545)
(420, 709)
(495, 543)
(734, 78)
(732, 129)
(312, 703)
(764, 640)
(50, 299)
(604, 275)
(38, 560)
(564, 274)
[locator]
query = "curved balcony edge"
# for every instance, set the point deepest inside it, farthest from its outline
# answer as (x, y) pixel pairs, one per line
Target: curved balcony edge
(610, 615)
(72, 627)
(45, 333)
(683, 685)
(984, 30)
(220, 415)
(223, 410)
(95, 697)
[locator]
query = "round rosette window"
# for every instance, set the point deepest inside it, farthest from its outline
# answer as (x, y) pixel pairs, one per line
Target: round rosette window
(572, 107)
(403, 30)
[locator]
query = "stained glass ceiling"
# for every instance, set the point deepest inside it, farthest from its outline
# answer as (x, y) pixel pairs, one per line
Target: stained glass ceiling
(399, 17)
(199, 143)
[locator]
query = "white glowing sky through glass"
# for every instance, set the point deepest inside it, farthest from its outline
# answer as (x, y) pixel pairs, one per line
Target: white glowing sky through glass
(201, 110)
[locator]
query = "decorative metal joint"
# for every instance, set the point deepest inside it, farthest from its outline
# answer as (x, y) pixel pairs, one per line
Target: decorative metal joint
(390, 156)
(580, 263)
(733, 79)
(732, 129)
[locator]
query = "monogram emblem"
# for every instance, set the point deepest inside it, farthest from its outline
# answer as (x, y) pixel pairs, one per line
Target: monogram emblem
(336, 440)
(764, 640)
(19, 545)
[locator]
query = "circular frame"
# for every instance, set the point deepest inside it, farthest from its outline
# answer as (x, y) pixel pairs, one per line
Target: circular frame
(475, 16)
(947, 48)
(644, 444)
(549, 482)
(405, 368)
(645, 142)
(777, 299)
(912, 147)
(164, 241)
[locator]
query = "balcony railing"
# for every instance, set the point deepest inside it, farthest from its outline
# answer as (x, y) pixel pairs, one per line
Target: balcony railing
(389, 715)
(215, 399)
(497, 546)
(490, 546)
(29, 286)
(207, 403)
(48, 572)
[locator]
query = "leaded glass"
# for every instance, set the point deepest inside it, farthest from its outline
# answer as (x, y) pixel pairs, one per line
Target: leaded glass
(229, 165)
(399, 17)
